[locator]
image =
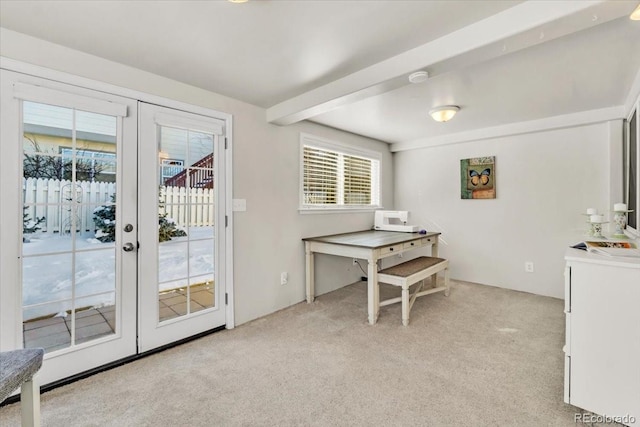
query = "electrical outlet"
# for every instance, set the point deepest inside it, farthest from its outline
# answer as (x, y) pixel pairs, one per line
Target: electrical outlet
(284, 278)
(528, 267)
(355, 261)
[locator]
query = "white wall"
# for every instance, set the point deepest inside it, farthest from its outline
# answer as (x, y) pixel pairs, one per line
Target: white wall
(268, 235)
(544, 181)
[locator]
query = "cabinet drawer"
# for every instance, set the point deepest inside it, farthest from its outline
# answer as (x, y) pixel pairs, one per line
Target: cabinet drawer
(391, 249)
(428, 240)
(411, 245)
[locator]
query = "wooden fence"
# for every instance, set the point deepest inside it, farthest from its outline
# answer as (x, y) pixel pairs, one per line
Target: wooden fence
(193, 204)
(55, 201)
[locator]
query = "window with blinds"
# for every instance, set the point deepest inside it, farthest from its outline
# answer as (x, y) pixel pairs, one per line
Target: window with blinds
(334, 176)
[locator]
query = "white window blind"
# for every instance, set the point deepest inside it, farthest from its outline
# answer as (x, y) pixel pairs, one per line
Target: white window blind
(338, 177)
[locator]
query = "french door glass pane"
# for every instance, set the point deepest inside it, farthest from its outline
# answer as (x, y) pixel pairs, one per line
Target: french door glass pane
(186, 212)
(174, 270)
(69, 206)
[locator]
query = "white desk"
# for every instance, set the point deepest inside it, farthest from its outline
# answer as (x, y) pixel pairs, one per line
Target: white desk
(370, 245)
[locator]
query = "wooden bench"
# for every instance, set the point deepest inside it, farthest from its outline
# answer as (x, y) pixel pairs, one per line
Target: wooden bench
(17, 369)
(410, 272)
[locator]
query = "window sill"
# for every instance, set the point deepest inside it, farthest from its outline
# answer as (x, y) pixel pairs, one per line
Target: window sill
(305, 211)
(632, 234)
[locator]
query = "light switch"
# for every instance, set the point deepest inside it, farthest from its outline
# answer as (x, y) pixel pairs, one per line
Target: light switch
(239, 205)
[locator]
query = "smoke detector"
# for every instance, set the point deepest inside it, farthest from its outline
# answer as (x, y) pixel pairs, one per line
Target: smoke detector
(418, 77)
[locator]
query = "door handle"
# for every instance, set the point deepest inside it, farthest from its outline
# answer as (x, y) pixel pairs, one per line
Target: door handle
(128, 247)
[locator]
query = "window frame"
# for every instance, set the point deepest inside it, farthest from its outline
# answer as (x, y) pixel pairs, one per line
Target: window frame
(626, 162)
(308, 140)
(166, 163)
(93, 157)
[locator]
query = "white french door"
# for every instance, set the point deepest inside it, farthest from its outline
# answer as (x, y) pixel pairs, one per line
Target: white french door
(67, 187)
(112, 223)
(182, 288)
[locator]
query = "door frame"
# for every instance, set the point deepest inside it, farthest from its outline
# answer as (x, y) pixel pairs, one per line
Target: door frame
(136, 95)
(92, 84)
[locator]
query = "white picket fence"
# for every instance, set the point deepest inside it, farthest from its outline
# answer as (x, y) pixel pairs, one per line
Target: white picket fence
(194, 204)
(54, 200)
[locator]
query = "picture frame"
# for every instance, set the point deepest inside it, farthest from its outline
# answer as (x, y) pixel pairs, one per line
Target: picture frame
(478, 178)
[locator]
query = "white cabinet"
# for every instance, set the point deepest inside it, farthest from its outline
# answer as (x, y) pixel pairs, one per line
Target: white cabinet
(602, 351)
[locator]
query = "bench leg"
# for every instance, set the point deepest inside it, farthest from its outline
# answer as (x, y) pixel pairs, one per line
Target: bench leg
(30, 403)
(405, 305)
(446, 282)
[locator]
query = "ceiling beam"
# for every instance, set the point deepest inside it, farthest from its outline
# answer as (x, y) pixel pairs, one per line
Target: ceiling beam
(391, 73)
(583, 118)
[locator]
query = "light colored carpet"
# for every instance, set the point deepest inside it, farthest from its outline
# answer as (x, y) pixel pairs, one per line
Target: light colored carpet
(484, 356)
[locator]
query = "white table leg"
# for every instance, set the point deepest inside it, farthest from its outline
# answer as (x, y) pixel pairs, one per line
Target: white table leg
(30, 403)
(373, 292)
(434, 253)
(309, 260)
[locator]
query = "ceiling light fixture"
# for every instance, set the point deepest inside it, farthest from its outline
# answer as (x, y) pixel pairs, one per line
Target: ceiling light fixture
(635, 15)
(444, 113)
(418, 77)
(238, 1)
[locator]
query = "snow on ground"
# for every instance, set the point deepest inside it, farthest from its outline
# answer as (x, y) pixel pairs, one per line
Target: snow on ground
(50, 277)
